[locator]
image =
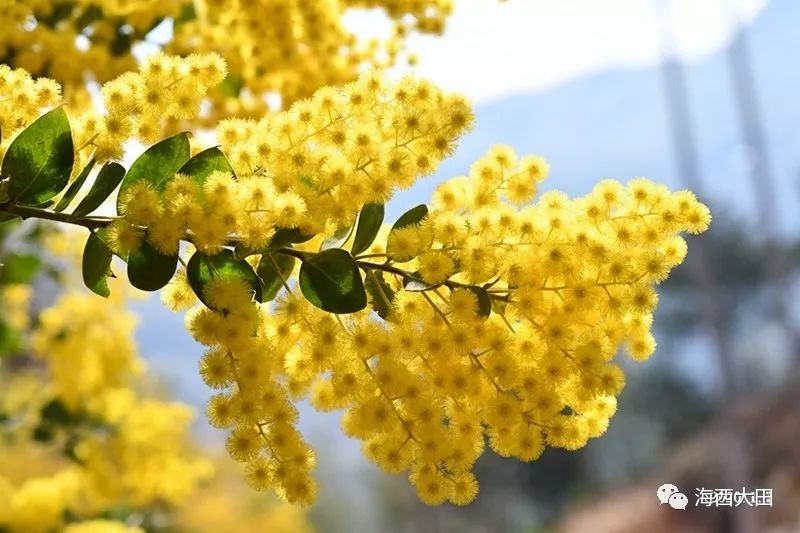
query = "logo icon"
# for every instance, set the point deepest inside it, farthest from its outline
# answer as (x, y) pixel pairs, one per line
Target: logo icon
(670, 495)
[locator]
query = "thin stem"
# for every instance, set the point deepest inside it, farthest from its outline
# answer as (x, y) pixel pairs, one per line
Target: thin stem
(371, 273)
(280, 274)
(25, 211)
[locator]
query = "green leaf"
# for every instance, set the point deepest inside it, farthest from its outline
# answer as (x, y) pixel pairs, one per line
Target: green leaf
(202, 268)
(59, 12)
(10, 340)
(484, 301)
(39, 160)
(19, 268)
(42, 433)
(187, 13)
(97, 265)
(107, 180)
(158, 164)
(411, 217)
(337, 239)
(149, 270)
(379, 292)
(232, 85)
(369, 224)
(75, 187)
(272, 277)
(415, 283)
(283, 237)
(331, 281)
(309, 182)
(56, 413)
(89, 15)
(203, 164)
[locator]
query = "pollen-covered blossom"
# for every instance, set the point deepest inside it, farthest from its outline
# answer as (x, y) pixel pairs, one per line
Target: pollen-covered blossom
(124, 448)
(278, 48)
(292, 48)
(511, 346)
(144, 104)
(69, 336)
(22, 98)
(312, 167)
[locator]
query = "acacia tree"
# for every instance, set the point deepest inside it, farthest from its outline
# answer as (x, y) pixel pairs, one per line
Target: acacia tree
(492, 315)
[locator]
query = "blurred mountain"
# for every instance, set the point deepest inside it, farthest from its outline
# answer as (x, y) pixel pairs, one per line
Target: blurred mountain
(615, 124)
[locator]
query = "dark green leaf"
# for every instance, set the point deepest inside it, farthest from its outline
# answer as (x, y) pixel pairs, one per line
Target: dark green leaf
(10, 340)
(203, 164)
(331, 281)
(75, 186)
(484, 301)
(411, 217)
(43, 433)
(70, 449)
(202, 268)
(369, 224)
(158, 164)
(272, 277)
(337, 239)
(232, 85)
(380, 293)
(59, 12)
(187, 13)
(107, 180)
(414, 283)
(96, 265)
(149, 270)
(19, 268)
(121, 44)
(39, 160)
(56, 413)
(89, 15)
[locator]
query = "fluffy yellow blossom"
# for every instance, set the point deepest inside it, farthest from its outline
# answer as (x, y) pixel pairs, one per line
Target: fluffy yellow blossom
(495, 316)
(356, 147)
(511, 339)
(278, 48)
(86, 356)
(22, 100)
(75, 439)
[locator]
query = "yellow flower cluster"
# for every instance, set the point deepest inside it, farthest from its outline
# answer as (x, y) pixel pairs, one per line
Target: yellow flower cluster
(38, 503)
(312, 167)
(67, 40)
(252, 402)
(85, 356)
(278, 48)
(146, 103)
(138, 462)
(568, 282)
(15, 300)
(513, 340)
(21, 100)
(291, 48)
(101, 526)
(214, 504)
(503, 311)
(126, 449)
